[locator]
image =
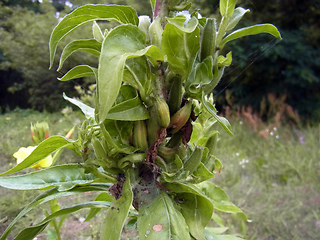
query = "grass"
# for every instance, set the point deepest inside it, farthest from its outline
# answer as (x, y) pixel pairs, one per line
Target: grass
(275, 180)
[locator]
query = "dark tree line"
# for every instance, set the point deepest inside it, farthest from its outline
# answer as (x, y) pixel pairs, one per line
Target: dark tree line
(289, 67)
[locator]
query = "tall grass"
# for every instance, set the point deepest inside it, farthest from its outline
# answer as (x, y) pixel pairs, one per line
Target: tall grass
(276, 181)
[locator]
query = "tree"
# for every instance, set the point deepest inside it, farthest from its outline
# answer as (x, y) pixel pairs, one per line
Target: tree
(24, 47)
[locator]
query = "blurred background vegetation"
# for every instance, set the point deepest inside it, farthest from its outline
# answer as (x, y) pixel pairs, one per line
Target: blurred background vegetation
(287, 69)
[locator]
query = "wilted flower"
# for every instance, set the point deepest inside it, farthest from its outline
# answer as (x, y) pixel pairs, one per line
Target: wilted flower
(23, 153)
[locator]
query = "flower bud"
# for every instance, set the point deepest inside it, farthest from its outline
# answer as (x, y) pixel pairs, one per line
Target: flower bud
(140, 135)
(162, 110)
(180, 118)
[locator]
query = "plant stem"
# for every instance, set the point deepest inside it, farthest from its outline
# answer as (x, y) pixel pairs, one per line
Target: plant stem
(161, 10)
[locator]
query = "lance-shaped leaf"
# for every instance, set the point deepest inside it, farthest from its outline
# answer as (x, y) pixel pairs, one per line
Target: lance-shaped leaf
(153, 4)
(30, 232)
(97, 33)
(130, 110)
(46, 147)
(64, 177)
(117, 214)
(197, 213)
(212, 110)
(123, 42)
(220, 199)
(87, 111)
(87, 45)
(104, 196)
(180, 47)
(236, 17)
(253, 30)
(227, 7)
(49, 195)
(79, 72)
(87, 13)
(195, 207)
(162, 220)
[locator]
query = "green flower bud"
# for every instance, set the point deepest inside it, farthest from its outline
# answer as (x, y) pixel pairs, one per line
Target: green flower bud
(180, 118)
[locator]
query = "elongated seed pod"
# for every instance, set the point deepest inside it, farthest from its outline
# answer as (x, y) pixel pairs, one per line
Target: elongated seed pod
(192, 163)
(140, 135)
(182, 152)
(208, 41)
(163, 113)
(180, 118)
(175, 95)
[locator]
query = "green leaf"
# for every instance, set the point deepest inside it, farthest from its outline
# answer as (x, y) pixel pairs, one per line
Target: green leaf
(64, 177)
(123, 42)
(253, 30)
(153, 4)
(130, 110)
(88, 45)
(227, 7)
(87, 13)
(48, 196)
(104, 196)
(184, 188)
(180, 48)
(138, 74)
(162, 220)
(31, 232)
(236, 17)
(155, 32)
(202, 174)
(196, 207)
(221, 120)
(79, 72)
(97, 33)
(111, 137)
(181, 22)
(87, 111)
(200, 76)
(197, 212)
(46, 147)
(116, 216)
(219, 198)
(225, 61)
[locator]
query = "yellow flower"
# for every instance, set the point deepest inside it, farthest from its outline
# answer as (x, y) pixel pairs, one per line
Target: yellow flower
(23, 153)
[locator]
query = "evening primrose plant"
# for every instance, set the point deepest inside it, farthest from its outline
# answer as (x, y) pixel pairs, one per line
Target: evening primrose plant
(147, 147)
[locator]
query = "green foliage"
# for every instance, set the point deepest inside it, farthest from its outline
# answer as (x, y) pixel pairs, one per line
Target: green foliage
(161, 169)
(295, 60)
(24, 40)
(288, 67)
